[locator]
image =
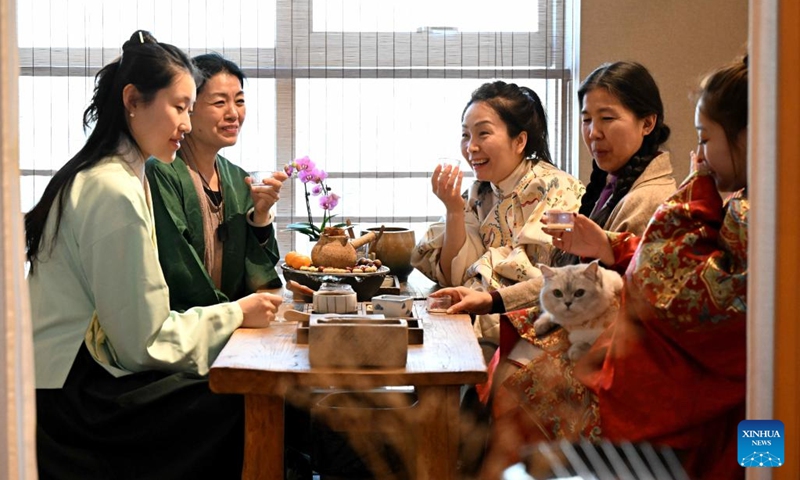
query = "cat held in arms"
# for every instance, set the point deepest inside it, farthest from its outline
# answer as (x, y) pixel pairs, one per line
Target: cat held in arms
(583, 299)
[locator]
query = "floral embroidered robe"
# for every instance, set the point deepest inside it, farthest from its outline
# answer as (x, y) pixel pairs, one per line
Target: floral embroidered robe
(504, 232)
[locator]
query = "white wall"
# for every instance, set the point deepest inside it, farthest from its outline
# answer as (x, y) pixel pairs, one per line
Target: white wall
(677, 40)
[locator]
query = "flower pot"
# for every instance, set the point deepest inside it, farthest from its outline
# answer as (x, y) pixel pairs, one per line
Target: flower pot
(393, 248)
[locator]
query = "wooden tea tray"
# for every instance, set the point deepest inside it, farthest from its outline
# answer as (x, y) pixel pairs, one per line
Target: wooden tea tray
(415, 330)
(390, 286)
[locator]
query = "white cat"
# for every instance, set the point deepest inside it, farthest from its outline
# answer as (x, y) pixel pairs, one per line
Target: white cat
(583, 299)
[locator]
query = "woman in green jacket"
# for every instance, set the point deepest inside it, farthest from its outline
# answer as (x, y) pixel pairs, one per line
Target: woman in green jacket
(215, 228)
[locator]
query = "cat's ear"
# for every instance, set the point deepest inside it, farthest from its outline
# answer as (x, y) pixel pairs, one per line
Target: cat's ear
(591, 270)
(547, 272)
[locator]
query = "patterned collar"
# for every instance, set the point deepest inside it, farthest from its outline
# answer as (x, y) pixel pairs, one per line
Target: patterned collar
(510, 183)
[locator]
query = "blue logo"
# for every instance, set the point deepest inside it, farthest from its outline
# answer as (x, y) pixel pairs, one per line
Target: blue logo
(760, 443)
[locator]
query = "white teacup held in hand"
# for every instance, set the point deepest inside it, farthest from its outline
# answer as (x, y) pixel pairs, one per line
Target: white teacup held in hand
(259, 176)
(450, 161)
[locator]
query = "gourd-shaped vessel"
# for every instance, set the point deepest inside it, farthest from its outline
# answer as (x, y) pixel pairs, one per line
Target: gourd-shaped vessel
(335, 249)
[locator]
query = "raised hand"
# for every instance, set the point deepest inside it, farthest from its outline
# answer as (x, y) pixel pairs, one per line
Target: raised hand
(446, 183)
(265, 195)
(697, 163)
(585, 239)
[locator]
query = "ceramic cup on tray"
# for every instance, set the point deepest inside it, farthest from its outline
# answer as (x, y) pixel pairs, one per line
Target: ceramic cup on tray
(393, 305)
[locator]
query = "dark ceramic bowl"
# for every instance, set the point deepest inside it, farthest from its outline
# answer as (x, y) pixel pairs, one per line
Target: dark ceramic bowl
(366, 285)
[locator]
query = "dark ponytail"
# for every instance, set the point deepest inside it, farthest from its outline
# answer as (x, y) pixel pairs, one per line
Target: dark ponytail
(626, 176)
(521, 110)
(149, 66)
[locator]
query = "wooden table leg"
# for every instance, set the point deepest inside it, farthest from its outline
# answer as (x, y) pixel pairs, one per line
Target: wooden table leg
(263, 437)
(437, 442)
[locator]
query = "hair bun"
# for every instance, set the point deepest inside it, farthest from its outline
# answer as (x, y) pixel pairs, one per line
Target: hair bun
(139, 37)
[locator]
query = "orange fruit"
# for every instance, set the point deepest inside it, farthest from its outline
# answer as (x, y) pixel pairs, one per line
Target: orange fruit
(290, 258)
(302, 261)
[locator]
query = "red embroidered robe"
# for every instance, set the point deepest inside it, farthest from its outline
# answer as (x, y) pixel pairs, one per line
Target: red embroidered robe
(672, 369)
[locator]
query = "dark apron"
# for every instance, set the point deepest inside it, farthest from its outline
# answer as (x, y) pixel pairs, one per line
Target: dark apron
(148, 425)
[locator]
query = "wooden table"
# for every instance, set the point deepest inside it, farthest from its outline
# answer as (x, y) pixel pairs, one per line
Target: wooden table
(266, 365)
(418, 285)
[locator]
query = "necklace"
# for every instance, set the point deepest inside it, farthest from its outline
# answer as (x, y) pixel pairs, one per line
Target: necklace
(222, 228)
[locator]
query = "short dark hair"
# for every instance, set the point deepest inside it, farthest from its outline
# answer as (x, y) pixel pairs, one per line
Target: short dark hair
(210, 64)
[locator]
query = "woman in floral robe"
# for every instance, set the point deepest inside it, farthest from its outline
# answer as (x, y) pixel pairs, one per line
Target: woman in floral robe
(492, 235)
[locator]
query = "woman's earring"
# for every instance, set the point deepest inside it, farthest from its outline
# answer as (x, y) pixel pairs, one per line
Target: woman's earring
(131, 115)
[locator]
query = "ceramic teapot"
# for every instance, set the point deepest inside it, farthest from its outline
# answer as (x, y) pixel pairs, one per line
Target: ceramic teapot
(335, 249)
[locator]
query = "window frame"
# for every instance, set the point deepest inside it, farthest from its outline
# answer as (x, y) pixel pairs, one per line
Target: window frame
(431, 53)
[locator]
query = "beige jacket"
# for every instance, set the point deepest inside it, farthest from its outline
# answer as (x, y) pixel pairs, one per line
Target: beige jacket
(632, 214)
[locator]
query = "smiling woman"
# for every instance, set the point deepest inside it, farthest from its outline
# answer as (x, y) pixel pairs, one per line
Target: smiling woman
(113, 362)
(492, 235)
(215, 230)
(160, 123)
(344, 85)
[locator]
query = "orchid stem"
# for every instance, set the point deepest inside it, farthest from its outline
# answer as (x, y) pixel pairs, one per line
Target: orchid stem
(308, 205)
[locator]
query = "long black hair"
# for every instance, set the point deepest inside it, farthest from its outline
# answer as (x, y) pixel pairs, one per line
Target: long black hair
(146, 64)
(521, 110)
(632, 84)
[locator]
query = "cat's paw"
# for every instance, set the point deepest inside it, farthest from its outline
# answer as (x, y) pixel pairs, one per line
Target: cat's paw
(542, 325)
(578, 350)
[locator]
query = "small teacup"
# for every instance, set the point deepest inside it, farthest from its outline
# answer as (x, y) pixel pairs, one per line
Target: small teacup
(258, 176)
(452, 162)
(559, 220)
(438, 304)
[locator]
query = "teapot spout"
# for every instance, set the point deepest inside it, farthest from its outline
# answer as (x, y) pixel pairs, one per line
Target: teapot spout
(363, 239)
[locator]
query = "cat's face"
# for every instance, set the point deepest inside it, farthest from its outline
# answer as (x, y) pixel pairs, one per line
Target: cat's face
(573, 294)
